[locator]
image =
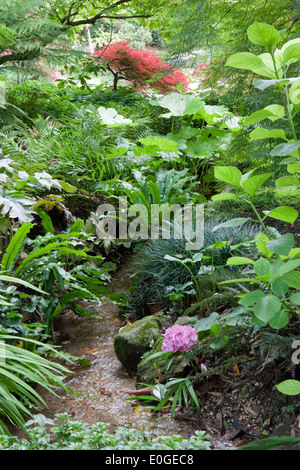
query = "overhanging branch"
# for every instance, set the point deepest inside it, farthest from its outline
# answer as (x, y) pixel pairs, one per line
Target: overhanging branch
(69, 18)
(97, 17)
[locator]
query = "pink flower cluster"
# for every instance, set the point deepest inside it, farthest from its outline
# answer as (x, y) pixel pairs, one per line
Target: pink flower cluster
(179, 338)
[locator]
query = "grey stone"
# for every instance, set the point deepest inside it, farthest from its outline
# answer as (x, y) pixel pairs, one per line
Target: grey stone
(133, 341)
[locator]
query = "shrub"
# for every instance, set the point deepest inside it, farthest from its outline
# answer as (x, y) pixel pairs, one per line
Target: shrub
(158, 279)
(140, 67)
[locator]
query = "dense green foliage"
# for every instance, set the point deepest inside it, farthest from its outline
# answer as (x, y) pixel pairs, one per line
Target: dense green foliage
(69, 145)
(64, 433)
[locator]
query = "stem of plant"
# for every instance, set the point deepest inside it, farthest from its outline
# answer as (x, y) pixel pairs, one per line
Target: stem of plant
(289, 115)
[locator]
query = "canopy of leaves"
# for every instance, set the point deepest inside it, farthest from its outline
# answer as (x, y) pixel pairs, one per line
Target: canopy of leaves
(218, 24)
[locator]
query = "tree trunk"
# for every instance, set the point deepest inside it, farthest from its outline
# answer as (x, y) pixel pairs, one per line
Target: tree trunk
(115, 84)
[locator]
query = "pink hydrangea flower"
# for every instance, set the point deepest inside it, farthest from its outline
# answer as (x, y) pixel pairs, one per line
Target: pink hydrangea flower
(179, 338)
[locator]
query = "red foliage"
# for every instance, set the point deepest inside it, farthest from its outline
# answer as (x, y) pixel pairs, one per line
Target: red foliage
(139, 67)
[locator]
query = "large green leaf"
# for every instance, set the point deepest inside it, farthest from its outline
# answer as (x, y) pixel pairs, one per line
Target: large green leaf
(271, 112)
(266, 307)
(232, 223)
(295, 298)
(249, 61)
(288, 266)
(282, 150)
(224, 197)
(14, 246)
(238, 260)
(180, 104)
(284, 213)
(293, 167)
(252, 183)
(280, 320)
(262, 269)
(261, 239)
(289, 387)
(263, 34)
(281, 245)
(261, 133)
(290, 52)
(204, 324)
(264, 84)
(292, 279)
(228, 174)
(16, 280)
(251, 298)
(287, 181)
(279, 287)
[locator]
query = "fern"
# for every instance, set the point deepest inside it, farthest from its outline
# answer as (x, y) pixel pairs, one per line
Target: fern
(26, 31)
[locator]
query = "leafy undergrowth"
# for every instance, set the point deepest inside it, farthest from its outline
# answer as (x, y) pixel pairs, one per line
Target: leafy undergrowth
(64, 433)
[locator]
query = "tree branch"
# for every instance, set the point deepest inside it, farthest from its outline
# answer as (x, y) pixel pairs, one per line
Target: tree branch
(97, 17)
(102, 14)
(20, 56)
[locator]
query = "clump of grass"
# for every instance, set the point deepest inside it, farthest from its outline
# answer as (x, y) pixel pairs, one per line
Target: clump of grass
(156, 277)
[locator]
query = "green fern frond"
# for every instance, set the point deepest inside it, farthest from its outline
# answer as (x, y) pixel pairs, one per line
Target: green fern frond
(36, 25)
(6, 36)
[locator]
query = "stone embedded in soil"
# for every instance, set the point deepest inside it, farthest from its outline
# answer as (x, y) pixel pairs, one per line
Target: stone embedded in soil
(133, 341)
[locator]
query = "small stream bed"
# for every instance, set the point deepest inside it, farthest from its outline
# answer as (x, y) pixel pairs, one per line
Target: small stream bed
(100, 389)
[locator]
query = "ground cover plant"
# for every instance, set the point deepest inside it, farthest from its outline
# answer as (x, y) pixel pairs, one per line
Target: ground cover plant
(70, 145)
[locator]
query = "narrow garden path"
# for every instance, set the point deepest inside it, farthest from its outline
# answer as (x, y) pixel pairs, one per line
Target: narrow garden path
(100, 390)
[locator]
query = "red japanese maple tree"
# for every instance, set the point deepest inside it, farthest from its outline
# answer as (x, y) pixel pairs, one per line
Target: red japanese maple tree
(141, 68)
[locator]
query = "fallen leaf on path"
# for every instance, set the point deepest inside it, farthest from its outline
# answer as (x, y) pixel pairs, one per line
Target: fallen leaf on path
(104, 391)
(90, 352)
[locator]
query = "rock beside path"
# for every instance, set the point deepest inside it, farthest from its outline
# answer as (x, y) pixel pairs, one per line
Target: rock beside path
(133, 341)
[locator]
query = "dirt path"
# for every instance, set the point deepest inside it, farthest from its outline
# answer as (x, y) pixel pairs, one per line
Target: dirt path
(101, 388)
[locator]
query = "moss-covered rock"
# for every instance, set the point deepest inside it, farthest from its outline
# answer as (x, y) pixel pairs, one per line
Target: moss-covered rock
(133, 341)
